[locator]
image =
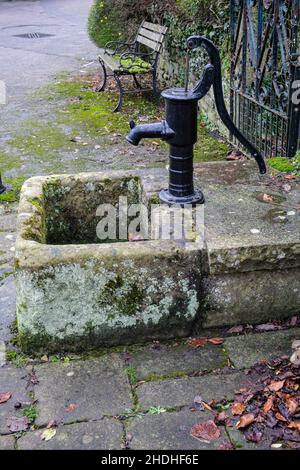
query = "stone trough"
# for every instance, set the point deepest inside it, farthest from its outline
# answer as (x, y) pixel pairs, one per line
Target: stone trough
(76, 292)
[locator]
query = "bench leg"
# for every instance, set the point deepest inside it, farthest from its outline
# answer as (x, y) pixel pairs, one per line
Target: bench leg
(121, 93)
(102, 87)
(154, 87)
(137, 84)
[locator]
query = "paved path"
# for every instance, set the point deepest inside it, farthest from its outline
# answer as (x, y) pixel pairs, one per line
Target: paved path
(140, 398)
(29, 63)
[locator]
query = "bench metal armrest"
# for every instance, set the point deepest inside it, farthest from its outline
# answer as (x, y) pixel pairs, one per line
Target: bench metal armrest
(115, 47)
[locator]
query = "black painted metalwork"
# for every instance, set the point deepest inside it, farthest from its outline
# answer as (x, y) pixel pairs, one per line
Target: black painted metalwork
(2, 187)
(264, 66)
(180, 128)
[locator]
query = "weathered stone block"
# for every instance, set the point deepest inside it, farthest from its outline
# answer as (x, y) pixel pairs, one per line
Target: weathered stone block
(74, 291)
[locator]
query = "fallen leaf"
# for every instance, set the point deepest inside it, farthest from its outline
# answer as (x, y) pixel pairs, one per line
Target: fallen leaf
(52, 424)
(48, 434)
(286, 187)
(208, 407)
(245, 421)
(216, 341)
(266, 327)
(295, 358)
(4, 397)
(268, 405)
(276, 445)
(236, 330)
(294, 425)
(72, 407)
(293, 321)
(197, 342)
(221, 418)
(291, 405)
(280, 417)
(253, 435)
(207, 431)
(290, 177)
(198, 403)
(17, 424)
(238, 408)
(226, 445)
(268, 198)
(271, 421)
(275, 386)
(296, 344)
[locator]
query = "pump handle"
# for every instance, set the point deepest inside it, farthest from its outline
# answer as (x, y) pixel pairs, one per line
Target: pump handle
(194, 42)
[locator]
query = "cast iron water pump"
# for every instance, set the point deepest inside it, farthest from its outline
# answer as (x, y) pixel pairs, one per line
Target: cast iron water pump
(180, 128)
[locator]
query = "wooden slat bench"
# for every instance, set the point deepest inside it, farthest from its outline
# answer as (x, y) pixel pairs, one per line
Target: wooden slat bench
(137, 58)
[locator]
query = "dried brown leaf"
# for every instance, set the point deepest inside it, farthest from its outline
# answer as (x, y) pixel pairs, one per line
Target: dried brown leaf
(236, 329)
(268, 405)
(294, 425)
(226, 445)
(291, 405)
(276, 385)
(207, 431)
(197, 342)
(4, 397)
(216, 341)
(238, 409)
(268, 198)
(72, 407)
(245, 421)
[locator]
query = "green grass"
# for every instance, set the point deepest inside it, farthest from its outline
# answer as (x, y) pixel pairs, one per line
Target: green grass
(13, 191)
(132, 375)
(281, 164)
(30, 412)
(16, 358)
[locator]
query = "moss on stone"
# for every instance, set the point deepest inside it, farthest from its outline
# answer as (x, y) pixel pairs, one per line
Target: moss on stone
(281, 164)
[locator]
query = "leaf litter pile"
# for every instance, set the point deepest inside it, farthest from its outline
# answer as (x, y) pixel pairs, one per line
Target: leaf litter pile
(272, 404)
(268, 410)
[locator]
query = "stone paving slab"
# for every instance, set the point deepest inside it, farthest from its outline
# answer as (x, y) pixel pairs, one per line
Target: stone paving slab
(7, 305)
(14, 381)
(179, 392)
(7, 244)
(171, 431)
(8, 220)
(245, 351)
(96, 387)
(244, 231)
(7, 443)
(104, 434)
(175, 359)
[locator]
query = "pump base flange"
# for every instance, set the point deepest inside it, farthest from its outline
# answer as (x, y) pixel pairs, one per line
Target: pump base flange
(193, 199)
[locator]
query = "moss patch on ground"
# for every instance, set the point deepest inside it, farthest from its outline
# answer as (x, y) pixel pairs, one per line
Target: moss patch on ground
(209, 147)
(281, 164)
(13, 190)
(79, 122)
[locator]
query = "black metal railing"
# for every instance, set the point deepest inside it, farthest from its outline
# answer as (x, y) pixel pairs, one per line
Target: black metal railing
(264, 67)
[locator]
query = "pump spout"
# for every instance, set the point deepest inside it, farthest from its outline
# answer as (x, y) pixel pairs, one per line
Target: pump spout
(159, 130)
